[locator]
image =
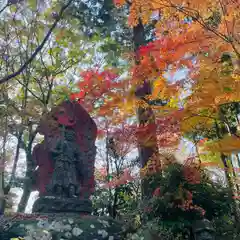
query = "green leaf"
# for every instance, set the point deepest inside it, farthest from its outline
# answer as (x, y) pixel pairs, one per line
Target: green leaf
(13, 8)
(56, 50)
(32, 4)
(126, 197)
(41, 33)
(227, 89)
(58, 63)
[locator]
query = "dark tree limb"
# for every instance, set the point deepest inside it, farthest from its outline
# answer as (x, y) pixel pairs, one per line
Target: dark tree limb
(39, 48)
(4, 8)
(155, 102)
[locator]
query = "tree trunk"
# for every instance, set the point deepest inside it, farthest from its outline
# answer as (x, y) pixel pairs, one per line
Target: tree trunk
(145, 115)
(2, 170)
(227, 174)
(27, 187)
(2, 195)
(231, 187)
(235, 176)
(26, 193)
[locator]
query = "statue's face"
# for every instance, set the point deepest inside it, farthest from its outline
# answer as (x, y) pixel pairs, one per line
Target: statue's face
(70, 135)
(72, 190)
(64, 117)
(204, 235)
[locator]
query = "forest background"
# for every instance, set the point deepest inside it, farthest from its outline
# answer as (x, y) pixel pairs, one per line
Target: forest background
(154, 75)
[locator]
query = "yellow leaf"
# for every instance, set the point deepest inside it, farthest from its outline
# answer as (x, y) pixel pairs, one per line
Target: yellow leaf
(173, 102)
(227, 145)
(196, 122)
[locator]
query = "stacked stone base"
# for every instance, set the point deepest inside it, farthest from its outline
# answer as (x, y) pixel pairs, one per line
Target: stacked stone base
(59, 227)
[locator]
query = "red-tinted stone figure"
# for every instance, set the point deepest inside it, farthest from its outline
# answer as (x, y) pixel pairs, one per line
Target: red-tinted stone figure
(65, 159)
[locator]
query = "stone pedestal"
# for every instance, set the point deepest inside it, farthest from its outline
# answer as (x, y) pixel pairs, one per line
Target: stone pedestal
(50, 204)
(59, 226)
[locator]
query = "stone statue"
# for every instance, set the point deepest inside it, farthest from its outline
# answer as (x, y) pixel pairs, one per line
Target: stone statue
(203, 230)
(68, 165)
(64, 161)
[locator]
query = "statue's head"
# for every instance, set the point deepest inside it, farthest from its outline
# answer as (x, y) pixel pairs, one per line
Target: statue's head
(72, 190)
(203, 230)
(70, 134)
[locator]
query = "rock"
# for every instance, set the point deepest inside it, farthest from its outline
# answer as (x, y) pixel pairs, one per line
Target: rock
(103, 233)
(68, 235)
(70, 221)
(77, 231)
(68, 227)
(29, 227)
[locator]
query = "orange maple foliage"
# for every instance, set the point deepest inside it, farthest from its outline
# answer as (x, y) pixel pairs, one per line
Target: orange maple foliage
(213, 29)
(158, 162)
(96, 87)
(221, 17)
(227, 145)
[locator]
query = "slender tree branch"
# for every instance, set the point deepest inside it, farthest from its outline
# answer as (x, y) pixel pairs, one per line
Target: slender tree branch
(228, 30)
(39, 48)
(34, 95)
(4, 7)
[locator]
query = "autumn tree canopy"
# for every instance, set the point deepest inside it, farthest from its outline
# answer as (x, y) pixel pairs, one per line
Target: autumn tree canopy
(205, 42)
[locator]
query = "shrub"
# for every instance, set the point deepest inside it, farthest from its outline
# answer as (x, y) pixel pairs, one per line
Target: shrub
(179, 195)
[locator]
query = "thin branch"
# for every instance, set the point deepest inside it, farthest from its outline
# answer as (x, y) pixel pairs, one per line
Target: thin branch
(197, 18)
(4, 7)
(155, 102)
(40, 86)
(228, 30)
(39, 48)
(34, 95)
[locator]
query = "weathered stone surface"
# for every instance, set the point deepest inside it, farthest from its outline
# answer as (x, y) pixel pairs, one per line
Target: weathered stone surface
(203, 230)
(64, 205)
(59, 227)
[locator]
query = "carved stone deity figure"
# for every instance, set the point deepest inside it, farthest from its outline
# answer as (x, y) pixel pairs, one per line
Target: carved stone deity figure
(68, 166)
(64, 161)
(203, 230)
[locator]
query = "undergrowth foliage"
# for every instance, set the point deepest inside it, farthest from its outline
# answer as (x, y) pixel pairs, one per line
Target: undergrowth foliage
(177, 200)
